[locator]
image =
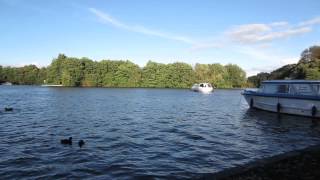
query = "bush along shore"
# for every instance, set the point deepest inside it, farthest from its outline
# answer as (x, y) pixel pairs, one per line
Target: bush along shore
(299, 164)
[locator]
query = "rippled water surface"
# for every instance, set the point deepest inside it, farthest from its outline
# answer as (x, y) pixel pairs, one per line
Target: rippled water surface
(137, 133)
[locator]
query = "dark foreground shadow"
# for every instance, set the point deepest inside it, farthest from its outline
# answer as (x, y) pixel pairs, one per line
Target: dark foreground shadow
(299, 164)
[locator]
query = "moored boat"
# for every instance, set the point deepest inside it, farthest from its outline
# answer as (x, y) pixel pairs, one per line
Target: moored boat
(202, 87)
(297, 97)
(52, 85)
(7, 84)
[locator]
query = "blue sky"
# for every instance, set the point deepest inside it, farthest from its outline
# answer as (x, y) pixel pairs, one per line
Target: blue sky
(257, 35)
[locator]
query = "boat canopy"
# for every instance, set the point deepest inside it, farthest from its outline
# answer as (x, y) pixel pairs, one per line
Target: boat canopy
(291, 82)
(293, 87)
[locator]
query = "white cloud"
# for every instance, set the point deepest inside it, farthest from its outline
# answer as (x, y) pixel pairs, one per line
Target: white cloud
(310, 22)
(251, 40)
(196, 45)
(286, 33)
(105, 18)
(248, 29)
(279, 24)
(259, 33)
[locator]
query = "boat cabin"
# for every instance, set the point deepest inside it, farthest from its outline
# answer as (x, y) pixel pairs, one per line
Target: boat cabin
(292, 87)
(205, 85)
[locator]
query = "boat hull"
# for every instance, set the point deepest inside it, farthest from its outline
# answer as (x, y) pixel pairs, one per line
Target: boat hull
(295, 106)
(202, 90)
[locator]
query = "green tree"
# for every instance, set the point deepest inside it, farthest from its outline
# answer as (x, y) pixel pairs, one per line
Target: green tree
(236, 76)
(154, 75)
(90, 73)
(217, 75)
(54, 72)
(70, 71)
(313, 74)
(202, 72)
(179, 75)
(128, 75)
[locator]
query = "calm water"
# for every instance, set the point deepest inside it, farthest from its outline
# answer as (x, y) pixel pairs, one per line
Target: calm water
(136, 133)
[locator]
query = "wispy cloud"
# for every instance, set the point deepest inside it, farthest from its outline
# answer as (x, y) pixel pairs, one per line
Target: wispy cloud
(279, 24)
(254, 41)
(107, 19)
(259, 33)
(250, 40)
(195, 45)
(310, 22)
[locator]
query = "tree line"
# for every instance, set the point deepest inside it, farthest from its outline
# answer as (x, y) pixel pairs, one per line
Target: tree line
(308, 67)
(71, 71)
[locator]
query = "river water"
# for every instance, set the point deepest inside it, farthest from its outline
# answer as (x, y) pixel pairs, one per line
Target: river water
(137, 133)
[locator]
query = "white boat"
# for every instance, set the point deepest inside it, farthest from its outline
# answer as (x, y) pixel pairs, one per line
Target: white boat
(7, 84)
(52, 85)
(202, 87)
(297, 97)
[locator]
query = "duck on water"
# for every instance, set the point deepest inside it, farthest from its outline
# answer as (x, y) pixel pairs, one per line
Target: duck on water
(81, 143)
(66, 141)
(297, 97)
(8, 109)
(69, 142)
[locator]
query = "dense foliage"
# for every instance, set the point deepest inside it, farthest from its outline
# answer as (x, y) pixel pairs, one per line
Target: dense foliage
(308, 67)
(28, 75)
(70, 71)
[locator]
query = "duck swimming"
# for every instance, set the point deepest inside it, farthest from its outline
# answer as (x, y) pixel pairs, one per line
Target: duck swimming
(8, 109)
(66, 141)
(81, 143)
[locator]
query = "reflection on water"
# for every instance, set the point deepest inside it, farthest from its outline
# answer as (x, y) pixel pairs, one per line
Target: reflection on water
(138, 132)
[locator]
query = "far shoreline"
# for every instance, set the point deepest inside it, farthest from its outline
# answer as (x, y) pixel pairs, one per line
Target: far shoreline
(61, 86)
